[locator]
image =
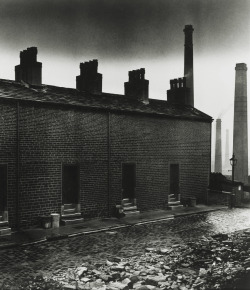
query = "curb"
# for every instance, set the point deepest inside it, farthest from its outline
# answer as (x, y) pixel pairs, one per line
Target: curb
(64, 236)
(199, 212)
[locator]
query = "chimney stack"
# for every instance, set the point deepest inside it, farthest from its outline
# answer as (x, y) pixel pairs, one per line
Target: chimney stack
(89, 79)
(227, 166)
(178, 93)
(188, 62)
(137, 87)
(218, 157)
(240, 137)
(29, 70)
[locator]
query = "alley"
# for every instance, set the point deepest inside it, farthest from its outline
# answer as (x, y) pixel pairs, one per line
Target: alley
(54, 259)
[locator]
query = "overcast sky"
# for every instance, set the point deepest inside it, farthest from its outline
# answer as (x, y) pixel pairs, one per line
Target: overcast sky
(131, 34)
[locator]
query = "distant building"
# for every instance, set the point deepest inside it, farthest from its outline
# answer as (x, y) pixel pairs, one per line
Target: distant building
(81, 152)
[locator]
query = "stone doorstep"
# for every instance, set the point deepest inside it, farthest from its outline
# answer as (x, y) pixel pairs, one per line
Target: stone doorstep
(173, 203)
(65, 221)
(175, 207)
(71, 215)
(125, 200)
(129, 208)
(127, 204)
(3, 224)
(5, 231)
(69, 206)
(172, 199)
(132, 212)
(69, 211)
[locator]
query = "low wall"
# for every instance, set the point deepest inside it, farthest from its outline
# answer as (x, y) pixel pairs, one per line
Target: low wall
(218, 197)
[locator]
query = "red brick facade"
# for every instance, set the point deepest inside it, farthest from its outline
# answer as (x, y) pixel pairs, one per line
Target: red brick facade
(46, 136)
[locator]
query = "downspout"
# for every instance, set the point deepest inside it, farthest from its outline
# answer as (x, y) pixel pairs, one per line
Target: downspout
(210, 164)
(108, 148)
(18, 170)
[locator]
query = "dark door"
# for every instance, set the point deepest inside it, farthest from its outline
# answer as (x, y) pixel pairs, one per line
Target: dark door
(3, 187)
(128, 180)
(174, 179)
(70, 184)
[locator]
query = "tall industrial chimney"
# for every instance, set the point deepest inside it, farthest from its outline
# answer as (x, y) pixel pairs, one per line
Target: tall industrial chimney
(188, 61)
(218, 158)
(240, 138)
(227, 166)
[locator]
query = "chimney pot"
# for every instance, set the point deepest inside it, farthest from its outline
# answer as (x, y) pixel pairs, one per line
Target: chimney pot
(89, 79)
(29, 70)
(178, 93)
(137, 86)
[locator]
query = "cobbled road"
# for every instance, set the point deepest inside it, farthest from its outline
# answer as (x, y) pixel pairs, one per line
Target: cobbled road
(53, 258)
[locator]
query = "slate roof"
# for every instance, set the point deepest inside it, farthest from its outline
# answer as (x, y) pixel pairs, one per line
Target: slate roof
(108, 102)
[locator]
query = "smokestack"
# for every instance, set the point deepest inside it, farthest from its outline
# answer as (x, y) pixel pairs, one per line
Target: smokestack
(218, 157)
(240, 137)
(89, 79)
(29, 70)
(137, 86)
(188, 61)
(227, 166)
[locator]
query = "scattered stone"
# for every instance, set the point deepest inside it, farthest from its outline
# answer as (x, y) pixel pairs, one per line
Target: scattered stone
(69, 287)
(118, 268)
(150, 250)
(165, 251)
(119, 285)
(81, 271)
(85, 279)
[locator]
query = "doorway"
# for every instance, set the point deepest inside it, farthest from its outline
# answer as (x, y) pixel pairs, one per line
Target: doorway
(175, 180)
(128, 180)
(3, 190)
(70, 183)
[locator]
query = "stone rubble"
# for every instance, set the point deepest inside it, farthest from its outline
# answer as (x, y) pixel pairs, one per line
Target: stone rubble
(215, 262)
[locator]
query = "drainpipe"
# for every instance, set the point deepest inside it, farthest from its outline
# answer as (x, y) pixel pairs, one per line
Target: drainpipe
(108, 143)
(18, 170)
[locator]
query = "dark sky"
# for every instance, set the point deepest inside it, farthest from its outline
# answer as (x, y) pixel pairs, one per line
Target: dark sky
(121, 28)
(129, 34)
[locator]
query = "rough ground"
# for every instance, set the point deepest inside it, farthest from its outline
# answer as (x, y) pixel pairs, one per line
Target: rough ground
(186, 253)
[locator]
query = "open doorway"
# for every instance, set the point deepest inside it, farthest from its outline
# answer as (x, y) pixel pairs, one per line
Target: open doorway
(128, 180)
(175, 180)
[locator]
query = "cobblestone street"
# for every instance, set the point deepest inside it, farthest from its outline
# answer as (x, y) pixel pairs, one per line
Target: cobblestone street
(53, 259)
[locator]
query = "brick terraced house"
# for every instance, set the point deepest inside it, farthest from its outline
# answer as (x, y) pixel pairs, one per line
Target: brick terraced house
(81, 152)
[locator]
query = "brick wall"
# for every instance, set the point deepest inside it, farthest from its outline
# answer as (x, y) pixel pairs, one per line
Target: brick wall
(153, 143)
(8, 153)
(50, 137)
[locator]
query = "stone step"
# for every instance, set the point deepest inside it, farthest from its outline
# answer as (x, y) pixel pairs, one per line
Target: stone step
(125, 200)
(69, 206)
(4, 231)
(175, 207)
(171, 195)
(176, 202)
(172, 199)
(71, 215)
(66, 222)
(129, 208)
(3, 224)
(127, 204)
(69, 211)
(131, 213)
